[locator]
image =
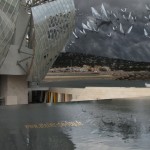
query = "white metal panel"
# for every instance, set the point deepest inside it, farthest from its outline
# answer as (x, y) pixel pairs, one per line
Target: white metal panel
(53, 23)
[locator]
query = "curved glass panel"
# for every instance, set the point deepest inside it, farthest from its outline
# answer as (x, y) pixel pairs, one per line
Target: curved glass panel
(8, 16)
(53, 23)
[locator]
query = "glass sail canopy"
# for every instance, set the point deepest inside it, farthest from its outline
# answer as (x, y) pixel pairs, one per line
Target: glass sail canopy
(8, 16)
(118, 29)
(53, 23)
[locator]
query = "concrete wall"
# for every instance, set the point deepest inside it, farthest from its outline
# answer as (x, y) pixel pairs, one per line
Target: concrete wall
(72, 93)
(14, 89)
(113, 93)
(100, 93)
(13, 84)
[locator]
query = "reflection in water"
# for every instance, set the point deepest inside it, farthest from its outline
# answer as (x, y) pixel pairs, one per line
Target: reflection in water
(34, 140)
(113, 125)
(127, 127)
(49, 140)
(107, 125)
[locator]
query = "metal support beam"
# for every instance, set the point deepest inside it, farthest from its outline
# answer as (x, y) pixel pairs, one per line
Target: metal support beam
(20, 61)
(23, 36)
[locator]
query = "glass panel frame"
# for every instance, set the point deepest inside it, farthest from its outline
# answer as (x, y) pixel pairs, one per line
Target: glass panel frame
(9, 10)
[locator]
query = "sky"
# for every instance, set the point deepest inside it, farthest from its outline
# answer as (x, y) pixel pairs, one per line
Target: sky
(134, 46)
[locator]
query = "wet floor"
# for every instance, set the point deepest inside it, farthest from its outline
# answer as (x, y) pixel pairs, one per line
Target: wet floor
(104, 125)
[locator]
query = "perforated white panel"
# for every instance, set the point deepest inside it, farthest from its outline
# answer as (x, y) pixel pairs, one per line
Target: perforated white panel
(53, 23)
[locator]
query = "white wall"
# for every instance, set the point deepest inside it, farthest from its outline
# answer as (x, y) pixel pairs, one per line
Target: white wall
(14, 89)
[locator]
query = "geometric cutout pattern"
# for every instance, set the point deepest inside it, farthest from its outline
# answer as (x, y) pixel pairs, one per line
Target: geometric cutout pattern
(53, 24)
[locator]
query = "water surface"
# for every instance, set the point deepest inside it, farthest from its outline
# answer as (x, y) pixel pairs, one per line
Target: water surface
(105, 125)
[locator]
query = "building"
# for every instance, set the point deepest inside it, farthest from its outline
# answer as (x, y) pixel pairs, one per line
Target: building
(32, 33)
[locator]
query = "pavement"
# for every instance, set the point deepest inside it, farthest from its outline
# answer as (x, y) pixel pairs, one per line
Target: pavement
(109, 124)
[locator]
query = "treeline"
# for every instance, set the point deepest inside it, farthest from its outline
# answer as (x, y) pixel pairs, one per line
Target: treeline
(79, 59)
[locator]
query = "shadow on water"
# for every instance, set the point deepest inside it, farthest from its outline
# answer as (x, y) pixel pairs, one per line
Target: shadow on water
(14, 135)
(35, 139)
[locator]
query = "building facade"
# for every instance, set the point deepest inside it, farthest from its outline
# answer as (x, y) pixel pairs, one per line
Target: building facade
(32, 33)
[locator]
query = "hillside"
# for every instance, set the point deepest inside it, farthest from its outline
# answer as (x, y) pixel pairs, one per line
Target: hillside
(79, 59)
